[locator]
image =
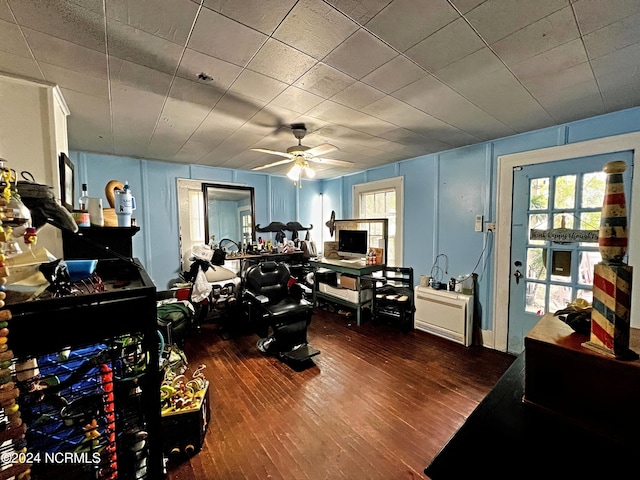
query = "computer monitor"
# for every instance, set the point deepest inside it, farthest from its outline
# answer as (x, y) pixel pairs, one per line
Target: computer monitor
(353, 243)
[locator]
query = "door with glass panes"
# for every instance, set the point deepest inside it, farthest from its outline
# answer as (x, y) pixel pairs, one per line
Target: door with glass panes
(546, 275)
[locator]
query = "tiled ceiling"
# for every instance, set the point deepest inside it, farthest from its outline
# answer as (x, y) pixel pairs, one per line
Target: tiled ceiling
(204, 82)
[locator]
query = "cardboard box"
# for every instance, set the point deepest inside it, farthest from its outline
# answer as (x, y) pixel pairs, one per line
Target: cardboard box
(184, 431)
(351, 283)
(346, 281)
(352, 296)
(379, 255)
(330, 250)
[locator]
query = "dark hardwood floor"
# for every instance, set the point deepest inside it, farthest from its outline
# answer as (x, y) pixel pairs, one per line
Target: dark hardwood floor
(376, 404)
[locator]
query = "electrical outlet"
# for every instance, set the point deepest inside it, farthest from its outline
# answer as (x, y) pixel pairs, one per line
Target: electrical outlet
(491, 226)
(478, 223)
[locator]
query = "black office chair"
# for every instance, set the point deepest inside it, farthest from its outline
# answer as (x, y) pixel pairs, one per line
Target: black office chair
(278, 311)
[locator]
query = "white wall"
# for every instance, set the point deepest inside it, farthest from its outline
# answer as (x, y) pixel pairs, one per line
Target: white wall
(33, 132)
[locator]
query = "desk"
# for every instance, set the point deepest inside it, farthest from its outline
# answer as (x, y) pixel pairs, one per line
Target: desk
(355, 269)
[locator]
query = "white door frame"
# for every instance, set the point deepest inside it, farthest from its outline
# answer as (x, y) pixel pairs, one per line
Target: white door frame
(502, 259)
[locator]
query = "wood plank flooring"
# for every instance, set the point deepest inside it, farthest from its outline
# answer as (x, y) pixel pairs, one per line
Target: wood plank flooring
(376, 404)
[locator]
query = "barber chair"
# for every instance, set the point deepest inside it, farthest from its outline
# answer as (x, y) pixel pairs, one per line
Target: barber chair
(278, 311)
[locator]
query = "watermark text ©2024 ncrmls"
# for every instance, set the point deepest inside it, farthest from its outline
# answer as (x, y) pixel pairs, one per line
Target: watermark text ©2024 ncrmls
(50, 457)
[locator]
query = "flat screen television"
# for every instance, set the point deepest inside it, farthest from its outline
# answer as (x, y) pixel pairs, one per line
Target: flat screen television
(353, 243)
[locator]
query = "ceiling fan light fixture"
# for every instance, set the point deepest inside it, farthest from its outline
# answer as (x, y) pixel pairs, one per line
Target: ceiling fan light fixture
(309, 172)
(294, 173)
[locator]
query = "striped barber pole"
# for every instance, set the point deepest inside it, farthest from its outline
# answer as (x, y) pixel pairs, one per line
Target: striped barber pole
(612, 237)
(610, 317)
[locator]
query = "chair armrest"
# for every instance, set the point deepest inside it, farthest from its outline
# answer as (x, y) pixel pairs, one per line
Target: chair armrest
(299, 291)
(261, 299)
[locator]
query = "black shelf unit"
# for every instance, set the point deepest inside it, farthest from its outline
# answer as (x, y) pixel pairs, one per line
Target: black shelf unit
(98, 242)
(393, 296)
(108, 329)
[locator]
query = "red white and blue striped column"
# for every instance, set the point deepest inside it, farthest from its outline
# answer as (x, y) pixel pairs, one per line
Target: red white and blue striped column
(610, 316)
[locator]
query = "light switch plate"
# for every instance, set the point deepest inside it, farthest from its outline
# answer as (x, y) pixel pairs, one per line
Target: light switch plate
(478, 223)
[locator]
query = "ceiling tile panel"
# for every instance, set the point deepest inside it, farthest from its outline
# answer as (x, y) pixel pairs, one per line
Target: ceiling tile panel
(560, 80)
(206, 138)
(620, 85)
(360, 54)
(140, 47)
(213, 35)
(255, 85)
(452, 42)
(324, 81)
(496, 19)
(551, 62)
(126, 75)
(395, 74)
(296, 99)
(233, 110)
(595, 14)
(171, 21)
(89, 123)
(399, 113)
(20, 66)
(359, 10)
(263, 15)
(188, 104)
(432, 96)
(5, 13)
(581, 100)
(270, 119)
(220, 74)
(613, 37)
(12, 41)
(76, 81)
(68, 55)
(404, 23)
(547, 33)
(357, 95)
(465, 6)
(278, 60)
(61, 19)
(315, 28)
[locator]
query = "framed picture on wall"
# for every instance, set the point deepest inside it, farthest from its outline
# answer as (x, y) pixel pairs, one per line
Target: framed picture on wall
(66, 182)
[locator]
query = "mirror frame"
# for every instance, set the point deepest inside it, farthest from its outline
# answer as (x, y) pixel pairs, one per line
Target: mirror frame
(223, 186)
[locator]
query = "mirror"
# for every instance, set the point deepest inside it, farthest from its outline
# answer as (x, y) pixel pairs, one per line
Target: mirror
(229, 213)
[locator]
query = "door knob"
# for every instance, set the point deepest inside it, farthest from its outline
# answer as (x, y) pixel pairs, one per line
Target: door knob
(517, 274)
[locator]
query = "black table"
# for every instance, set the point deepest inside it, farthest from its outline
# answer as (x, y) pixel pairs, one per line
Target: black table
(506, 439)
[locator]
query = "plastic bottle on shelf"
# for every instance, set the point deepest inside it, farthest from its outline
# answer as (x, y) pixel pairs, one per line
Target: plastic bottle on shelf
(125, 205)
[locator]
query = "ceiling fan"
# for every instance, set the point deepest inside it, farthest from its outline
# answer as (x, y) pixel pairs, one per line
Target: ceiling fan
(302, 155)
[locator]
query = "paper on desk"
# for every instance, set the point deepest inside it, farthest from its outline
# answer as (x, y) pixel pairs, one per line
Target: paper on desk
(33, 256)
(24, 268)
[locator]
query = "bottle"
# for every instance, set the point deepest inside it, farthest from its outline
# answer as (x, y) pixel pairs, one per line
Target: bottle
(125, 205)
(83, 201)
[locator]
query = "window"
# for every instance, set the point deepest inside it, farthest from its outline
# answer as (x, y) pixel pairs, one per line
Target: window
(246, 225)
(196, 216)
(190, 217)
(383, 199)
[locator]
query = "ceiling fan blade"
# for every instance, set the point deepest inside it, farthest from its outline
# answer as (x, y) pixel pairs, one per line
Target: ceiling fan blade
(321, 150)
(329, 161)
(272, 152)
(269, 165)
